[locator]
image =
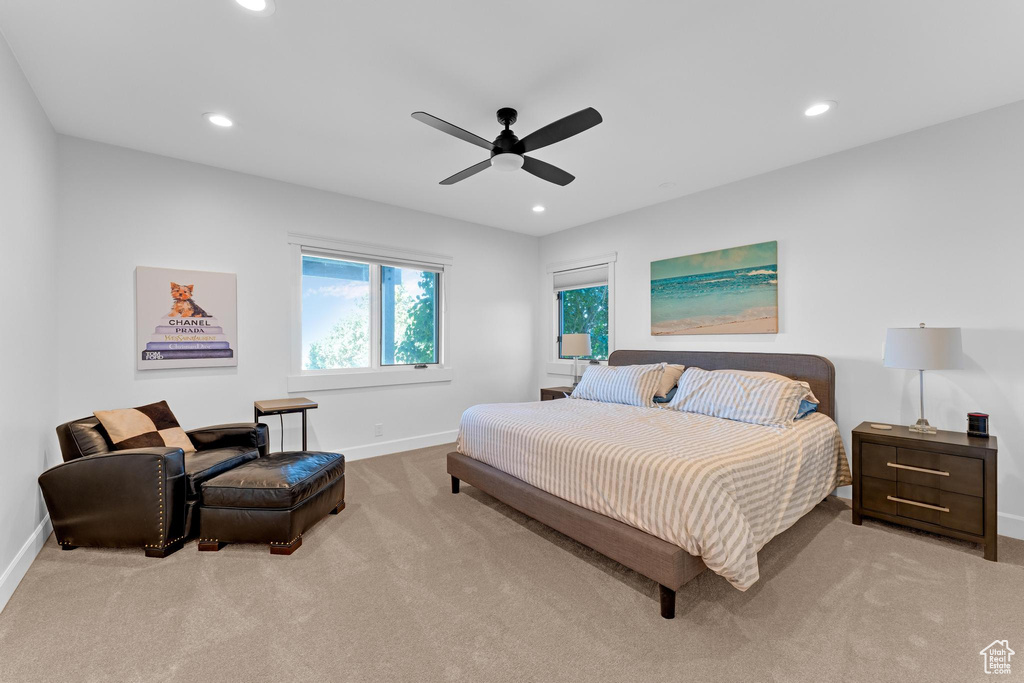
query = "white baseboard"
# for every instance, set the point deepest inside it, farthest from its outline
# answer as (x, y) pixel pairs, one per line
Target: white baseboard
(1011, 525)
(16, 570)
(372, 450)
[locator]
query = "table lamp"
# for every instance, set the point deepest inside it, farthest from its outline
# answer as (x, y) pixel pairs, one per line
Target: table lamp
(574, 346)
(923, 348)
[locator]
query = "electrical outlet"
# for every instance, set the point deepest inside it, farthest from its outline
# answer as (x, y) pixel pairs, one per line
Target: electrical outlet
(378, 430)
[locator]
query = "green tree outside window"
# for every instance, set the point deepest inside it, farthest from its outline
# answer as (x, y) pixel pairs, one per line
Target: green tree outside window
(586, 310)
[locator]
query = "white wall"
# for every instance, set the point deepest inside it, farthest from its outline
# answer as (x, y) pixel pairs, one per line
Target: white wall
(120, 209)
(28, 342)
(924, 227)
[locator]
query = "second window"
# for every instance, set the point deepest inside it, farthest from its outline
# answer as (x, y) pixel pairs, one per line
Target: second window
(581, 304)
(361, 314)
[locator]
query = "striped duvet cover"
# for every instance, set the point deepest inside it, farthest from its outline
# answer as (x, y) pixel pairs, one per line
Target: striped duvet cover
(719, 489)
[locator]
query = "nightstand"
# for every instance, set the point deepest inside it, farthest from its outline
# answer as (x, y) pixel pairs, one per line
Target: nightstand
(944, 483)
(551, 393)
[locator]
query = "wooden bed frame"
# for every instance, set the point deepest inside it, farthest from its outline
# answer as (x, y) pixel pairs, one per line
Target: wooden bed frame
(667, 564)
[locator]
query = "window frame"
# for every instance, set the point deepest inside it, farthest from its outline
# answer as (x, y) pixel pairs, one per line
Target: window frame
(376, 374)
(560, 366)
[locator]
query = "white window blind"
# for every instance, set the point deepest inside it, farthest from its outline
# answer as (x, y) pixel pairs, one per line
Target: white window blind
(578, 278)
(375, 260)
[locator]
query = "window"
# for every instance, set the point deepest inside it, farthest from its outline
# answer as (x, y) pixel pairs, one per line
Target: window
(408, 316)
(335, 313)
(359, 313)
(581, 306)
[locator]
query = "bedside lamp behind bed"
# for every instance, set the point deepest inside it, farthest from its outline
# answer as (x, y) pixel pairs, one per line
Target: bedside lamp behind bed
(576, 346)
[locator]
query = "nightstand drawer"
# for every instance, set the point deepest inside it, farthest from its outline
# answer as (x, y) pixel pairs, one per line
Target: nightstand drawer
(875, 459)
(925, 504)
(924, 468)
(947, 472)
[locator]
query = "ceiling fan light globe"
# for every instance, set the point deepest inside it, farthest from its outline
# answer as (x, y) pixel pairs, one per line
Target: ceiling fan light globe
(507, 161)
(263, 8)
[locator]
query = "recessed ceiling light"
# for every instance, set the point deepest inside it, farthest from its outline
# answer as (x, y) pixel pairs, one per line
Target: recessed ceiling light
(667, 186)
(219, 120)
(538, 209)
(819, 108)
(261, 7)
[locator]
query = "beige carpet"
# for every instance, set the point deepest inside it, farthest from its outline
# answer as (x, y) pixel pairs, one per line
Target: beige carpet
(411, 583)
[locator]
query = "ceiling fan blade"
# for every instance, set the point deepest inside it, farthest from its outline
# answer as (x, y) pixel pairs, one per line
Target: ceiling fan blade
(472, 170)
(546, 171)
(561, 129)
(446, 127)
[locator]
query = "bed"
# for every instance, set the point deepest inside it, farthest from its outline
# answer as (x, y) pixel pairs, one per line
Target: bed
(665, 493)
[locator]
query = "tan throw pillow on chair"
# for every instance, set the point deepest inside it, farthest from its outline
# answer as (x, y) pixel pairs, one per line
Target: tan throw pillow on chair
(144, 427)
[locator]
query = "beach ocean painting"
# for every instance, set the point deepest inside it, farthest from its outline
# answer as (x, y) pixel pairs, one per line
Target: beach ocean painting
(729, 291)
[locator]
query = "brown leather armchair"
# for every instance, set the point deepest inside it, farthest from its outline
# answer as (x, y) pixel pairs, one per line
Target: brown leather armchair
(143, 497)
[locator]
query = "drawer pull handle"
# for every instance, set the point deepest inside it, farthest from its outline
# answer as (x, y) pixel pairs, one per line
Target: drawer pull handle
(914, 502)
(917, 469)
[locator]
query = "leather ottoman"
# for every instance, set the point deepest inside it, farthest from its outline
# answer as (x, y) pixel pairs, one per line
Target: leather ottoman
(272, 499)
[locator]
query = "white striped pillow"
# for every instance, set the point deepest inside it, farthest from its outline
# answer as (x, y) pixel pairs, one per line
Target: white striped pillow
(742, 396)
(809, 396)
(633, 385)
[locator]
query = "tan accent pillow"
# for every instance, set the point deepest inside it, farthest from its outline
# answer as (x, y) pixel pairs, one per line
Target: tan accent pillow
(152, 426)
(669, 379)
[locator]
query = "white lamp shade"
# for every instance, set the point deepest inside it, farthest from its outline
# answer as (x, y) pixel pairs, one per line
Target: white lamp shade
(575, 344)
(923, 348)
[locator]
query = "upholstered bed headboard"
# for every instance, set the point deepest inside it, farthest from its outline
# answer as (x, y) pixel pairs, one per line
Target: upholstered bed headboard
(817, 371)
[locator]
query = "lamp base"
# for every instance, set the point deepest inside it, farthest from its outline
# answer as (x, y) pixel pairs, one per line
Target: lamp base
(922, 427)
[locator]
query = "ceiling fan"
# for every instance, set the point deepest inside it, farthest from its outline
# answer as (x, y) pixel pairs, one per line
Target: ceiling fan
(508, 151)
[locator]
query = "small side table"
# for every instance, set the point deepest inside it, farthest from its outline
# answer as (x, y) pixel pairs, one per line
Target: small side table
(552, 393)
(283, 406)
(944, 483)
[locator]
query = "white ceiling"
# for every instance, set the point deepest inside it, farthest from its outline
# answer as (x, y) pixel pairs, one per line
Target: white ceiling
(693, 93)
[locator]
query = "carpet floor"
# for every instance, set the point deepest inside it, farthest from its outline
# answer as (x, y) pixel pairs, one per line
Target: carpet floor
(412, 583)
